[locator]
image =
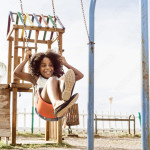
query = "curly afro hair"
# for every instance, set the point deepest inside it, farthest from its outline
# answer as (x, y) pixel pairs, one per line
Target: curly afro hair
(55, 59)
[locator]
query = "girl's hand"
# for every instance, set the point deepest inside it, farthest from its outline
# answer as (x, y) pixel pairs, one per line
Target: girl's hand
(63, 61)
(28, 54)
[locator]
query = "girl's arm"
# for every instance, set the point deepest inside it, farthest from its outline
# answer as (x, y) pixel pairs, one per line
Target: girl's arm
(19, 69)
(78, 74)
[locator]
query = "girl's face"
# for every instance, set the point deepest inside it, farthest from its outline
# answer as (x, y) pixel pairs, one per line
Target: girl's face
(46, 68)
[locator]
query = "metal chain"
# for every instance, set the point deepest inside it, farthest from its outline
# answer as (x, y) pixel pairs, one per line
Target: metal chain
(90, 42)
(85, 20)
(22, 14)
(57, 35)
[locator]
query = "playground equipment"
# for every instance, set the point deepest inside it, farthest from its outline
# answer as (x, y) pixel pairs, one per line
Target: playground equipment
(72, 117)
(145, 77)
(16, 48)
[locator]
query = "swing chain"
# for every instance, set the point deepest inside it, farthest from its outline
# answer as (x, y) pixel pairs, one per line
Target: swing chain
(23, 16)
(55, 27)
(90, 42)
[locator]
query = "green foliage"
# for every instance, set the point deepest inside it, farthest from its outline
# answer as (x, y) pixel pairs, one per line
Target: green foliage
(33, 146)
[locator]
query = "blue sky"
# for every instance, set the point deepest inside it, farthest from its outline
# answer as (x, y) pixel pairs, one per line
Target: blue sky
(117, 48)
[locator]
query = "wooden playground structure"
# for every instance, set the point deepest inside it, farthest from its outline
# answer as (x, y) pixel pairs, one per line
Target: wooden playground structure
(52, 30)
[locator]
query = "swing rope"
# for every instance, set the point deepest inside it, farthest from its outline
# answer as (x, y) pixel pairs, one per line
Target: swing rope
(55, 27)
(23, 16)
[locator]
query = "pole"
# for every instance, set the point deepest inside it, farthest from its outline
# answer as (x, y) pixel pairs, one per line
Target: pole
(145, 77)
(32, 125)
(90, 138)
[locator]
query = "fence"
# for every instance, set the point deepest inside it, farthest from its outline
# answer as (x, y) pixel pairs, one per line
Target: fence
(24, 121)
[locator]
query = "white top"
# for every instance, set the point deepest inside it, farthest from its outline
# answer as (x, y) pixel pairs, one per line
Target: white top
(41, 82)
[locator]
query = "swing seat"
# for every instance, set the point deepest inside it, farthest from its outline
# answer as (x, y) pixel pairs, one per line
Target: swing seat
(45, 110)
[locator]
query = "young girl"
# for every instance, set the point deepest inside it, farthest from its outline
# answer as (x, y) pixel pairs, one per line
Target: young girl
(48, 76)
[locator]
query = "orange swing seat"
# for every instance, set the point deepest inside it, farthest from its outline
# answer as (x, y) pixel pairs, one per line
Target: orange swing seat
(45, 110)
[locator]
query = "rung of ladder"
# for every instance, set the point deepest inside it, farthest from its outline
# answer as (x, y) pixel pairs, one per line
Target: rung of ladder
(44, 20)
(52, 21)
(19, 14)
(39, 24)
(60, 22)
(31, 23)
(22, 34)
(25, 47)
(29, 35)
(11, 16)
(45, 32)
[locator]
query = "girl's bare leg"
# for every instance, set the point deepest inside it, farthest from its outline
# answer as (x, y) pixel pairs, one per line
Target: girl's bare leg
(51, 92)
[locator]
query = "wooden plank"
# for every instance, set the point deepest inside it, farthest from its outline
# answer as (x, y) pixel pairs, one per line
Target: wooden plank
(21, 85)
(9, 62)
(5, 133)
(4, 86)
(25, 90)
(14, 116)
(5, 111)
(4, 100)
(33, 41)
(38, 28)
(25, 47)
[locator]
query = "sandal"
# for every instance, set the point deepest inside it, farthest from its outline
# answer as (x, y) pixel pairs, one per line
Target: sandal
(69, 82)
(60, 110)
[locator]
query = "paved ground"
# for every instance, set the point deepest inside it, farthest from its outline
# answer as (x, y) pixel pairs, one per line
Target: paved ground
(100, 143)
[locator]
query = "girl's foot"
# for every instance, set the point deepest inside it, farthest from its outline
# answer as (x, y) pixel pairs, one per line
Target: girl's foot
(61, 110)
(68, 84)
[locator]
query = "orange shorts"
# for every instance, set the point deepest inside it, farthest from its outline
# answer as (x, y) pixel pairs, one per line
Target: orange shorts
(44, 109)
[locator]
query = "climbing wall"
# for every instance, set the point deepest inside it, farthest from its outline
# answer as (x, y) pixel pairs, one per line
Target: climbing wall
(4, 110)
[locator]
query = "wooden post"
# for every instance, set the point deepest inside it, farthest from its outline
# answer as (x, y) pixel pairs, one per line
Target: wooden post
(23, 52)
(14, 90)
(47, 131)
(15, 58)
(59, 131)
(14, 112)
(9, 62)
(49, 44)
(60, 43)
(36, 39)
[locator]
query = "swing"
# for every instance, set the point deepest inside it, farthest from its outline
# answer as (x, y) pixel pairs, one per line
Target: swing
(43, 109)
(48, 112)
